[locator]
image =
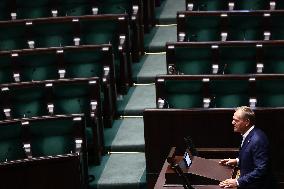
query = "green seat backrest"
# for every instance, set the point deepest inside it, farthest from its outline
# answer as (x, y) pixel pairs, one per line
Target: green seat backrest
(60, 35)
(193, 60)
(277, 27)
(28, 102)
(4, 11)
(203, 28)
(273, 59)
(6, 73)
(72, 98)
(245, 28)
(184, 94)
(237, 60)
(210, 5)
(52, 137)
(270, 93)
(11, 146)
(13, 37)
(115, 7)
(83, 63)
(229, 93)
(38, 66)
(99, 32)
(32, 9)
(251, 5)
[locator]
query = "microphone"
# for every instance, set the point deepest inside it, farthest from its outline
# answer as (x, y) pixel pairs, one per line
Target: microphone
(189, 144)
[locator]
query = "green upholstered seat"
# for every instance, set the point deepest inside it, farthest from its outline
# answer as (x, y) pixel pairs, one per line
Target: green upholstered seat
(237, 60)
(270, 93)
(208, 5)
(183, 94)
(203, 28)
(273, 59)
(229, 93)
(13, 36)
(251, 5)
(38, 66)
(193, 60)
(243, 27)
(28, 102)
(6, 74)
(33, 9)
(52, 137)
(11, 146)
(60, 35)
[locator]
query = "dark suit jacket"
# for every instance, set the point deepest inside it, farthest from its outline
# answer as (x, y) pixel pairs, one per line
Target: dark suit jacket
(254, 162)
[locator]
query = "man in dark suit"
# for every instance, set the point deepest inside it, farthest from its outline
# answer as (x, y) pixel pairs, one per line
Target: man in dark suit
(253, 160)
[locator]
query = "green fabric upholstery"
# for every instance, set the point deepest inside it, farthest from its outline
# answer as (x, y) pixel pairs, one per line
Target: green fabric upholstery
(12, 37)
(83, 63)
(184, 94)
(28, 102)
(229, 93)
(33, 9)
(193, 60)
(203, 28)
(251, 5)
(245, 28)
(270, 93)
(237, 60)
(273, 59)
(277, 27)
(11, 147)
(115, 7)
(38, 66)
(72, 98)
(60, 35)
(99, 32)
(6, 75)
(52, 137)
(209, 5)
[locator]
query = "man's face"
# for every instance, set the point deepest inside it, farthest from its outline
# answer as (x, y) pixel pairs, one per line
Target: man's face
(240, 124)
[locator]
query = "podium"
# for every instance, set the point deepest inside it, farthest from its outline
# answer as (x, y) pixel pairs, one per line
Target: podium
(203, 173)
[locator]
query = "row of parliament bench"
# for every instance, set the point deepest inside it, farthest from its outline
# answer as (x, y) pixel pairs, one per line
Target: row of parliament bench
(72, 31)
(238, 57)
(81, 61)
(36, 152)
(48, 9)
(219, 91)
(61, 97)
(229, 25)
(210, 130)
(215, 5)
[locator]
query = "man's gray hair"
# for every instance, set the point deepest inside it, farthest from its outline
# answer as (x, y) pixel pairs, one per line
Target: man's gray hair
(247, 113)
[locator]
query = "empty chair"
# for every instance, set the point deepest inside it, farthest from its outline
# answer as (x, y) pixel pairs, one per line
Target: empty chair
(19, 101)
(244, 27)
(270, 91)
(11, 144)
(229, 92)
(32, 9)
(206, 5)
(273, 59)
(198, 27)
(176, 92)
(237, 59)
(251, 5)
(189, 59)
